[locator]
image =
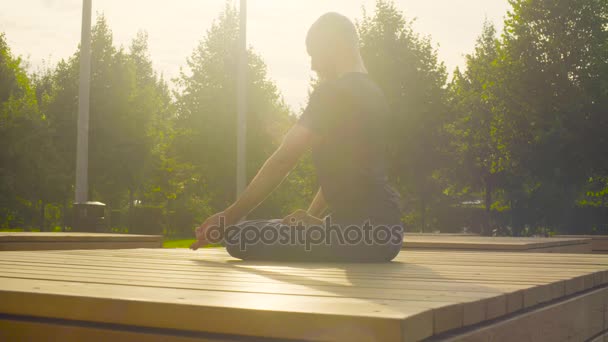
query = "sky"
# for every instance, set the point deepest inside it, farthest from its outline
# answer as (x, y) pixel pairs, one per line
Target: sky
(45, 31)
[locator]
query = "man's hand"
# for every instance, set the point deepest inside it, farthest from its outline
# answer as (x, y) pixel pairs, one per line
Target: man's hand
(201, 231)
(301, 216)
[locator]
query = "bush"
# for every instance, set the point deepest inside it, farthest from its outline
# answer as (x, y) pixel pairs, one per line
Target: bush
(181, 223)
(146, 220)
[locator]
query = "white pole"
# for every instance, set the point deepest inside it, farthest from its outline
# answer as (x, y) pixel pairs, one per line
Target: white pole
(241, 177)
(82, 144)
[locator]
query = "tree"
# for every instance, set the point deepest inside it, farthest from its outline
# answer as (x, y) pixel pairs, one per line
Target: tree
(553, 61)
(406, 67)
(206, 116)
(476, 131)
(24, 134)
(128, 103)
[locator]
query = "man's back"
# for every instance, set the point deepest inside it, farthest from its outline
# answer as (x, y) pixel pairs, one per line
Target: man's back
(351, 116)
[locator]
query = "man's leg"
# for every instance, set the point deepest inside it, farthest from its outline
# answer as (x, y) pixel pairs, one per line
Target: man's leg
(272, 240)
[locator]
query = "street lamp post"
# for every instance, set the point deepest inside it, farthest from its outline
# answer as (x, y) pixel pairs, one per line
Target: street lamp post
(82, 143)
(241, 175)
(88, 216)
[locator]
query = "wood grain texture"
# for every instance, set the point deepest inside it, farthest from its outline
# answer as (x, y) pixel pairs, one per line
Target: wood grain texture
(599, 243)
(420, 294)
(484, 243)
(27, 330)
(24, 241)
(575, 319)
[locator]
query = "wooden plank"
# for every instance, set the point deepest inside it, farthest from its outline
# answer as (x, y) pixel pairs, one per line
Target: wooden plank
(474, 305)
(440, 234)
(405, 259)
(546, 245)
(418, 255)
(24, 241)
(528, 242)
(602, 337)
(40, 246)
(421, 294)
(535, 275)
(576, 319)
(254, 314)
(599, 243)
(557, 288)
(220, 277)
(27, 330)
(532, 296)
(353, 276)
(43, 236)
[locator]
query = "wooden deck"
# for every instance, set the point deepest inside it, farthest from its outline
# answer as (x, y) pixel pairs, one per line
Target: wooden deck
(55, 241)
(180, 295)
(599, 243)
(507, 244)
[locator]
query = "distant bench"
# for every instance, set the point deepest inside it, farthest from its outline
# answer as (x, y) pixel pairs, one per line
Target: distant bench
(60, 241)
(507, 244)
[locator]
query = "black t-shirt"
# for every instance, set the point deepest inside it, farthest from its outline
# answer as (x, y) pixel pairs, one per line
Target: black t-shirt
(350, 115)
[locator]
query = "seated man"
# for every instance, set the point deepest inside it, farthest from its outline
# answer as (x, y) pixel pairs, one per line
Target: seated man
(345, 124)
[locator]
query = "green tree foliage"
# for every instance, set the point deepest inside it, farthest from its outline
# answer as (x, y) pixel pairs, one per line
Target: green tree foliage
(206, 120)
(478, 121)
(553, 60)
(522, 127)
(530, 111)
(25, 184)
(405, 65)
(129, 108)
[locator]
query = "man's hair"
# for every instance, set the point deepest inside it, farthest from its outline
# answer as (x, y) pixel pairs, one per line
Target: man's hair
(332, 30)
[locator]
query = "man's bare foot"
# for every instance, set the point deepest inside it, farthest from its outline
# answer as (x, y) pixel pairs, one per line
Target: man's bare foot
(301, 215)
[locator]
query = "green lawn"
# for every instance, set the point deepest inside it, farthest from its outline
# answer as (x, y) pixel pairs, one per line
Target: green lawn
(177, 243)
(166, 244)
(182, 244)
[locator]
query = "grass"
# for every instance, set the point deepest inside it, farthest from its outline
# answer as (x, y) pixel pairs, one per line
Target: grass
(182, 244)
(177, 243)
(19, 230)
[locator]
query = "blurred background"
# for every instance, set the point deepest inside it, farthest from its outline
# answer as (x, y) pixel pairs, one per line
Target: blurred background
(499, 110)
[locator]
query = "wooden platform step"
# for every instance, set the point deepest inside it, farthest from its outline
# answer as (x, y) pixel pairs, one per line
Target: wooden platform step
(25, 241)
(151, 294)
(483, 243)
(599, 243)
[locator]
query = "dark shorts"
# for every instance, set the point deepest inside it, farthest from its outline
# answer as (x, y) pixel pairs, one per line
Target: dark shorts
(331, 242)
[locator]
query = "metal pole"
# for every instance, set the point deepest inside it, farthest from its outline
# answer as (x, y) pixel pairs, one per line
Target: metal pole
(82, 144)
(241, 175)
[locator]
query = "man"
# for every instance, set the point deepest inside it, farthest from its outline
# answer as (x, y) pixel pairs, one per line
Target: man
(344, 124)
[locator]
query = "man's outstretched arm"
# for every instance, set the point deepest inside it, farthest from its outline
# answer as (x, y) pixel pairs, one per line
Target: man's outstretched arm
(275, 169)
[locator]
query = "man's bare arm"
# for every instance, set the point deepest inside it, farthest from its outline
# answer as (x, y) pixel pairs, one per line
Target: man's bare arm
(318, 205)
(275, 169)
(310, 216)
